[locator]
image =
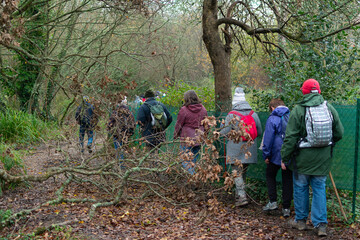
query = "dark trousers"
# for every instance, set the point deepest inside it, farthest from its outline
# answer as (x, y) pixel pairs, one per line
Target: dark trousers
(89, 131)
(287, 184)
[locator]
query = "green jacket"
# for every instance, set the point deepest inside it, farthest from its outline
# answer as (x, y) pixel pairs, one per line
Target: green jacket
(309, 161)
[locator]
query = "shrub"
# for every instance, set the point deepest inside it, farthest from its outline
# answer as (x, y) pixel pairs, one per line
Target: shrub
(175, 95)
(20, 127)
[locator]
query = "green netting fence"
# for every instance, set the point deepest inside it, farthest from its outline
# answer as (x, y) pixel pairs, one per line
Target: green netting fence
(345, 158)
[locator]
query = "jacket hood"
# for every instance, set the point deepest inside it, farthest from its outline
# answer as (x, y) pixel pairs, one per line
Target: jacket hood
(280, 111)
(311, 99)
(195, 107)
(242, 105)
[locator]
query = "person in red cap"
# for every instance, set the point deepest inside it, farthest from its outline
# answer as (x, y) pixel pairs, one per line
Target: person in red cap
(313, 128)
(310, 86)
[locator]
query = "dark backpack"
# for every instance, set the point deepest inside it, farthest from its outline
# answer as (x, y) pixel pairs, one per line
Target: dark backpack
(158, 116)
(284, 122)
(249, 123)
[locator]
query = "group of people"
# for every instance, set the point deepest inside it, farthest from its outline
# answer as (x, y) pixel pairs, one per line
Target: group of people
(299, 142)
(153, 118)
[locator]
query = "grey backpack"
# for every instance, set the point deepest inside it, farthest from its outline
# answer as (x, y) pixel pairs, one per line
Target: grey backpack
(318, 121)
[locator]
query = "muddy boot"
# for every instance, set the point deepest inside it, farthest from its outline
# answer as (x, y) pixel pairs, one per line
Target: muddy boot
(321, 230)
(270, 206)
(299, 225)
(241, 199)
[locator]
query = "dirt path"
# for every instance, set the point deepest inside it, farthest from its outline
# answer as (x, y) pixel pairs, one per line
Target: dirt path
(148, 219)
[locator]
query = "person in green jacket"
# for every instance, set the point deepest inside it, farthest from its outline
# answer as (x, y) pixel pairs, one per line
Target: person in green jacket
(310, 165)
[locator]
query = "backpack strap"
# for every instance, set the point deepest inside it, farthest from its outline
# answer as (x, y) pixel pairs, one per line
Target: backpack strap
(150, 117)
(236, 113)
(239, 114)
(147, 104)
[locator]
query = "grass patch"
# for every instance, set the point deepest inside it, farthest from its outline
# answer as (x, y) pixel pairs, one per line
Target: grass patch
(23, 128)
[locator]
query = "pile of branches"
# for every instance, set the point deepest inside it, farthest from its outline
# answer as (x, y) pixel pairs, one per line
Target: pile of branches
(157, 171)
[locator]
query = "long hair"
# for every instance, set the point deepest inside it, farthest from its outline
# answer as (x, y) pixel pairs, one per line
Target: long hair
(190, 97)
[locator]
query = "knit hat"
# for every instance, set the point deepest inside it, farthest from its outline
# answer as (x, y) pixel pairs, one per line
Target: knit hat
(149, 93)
(86, 99)
(124, 101)
(310, 86)
(239, 95)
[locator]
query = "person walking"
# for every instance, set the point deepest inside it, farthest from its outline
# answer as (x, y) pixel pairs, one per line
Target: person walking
(121, 126)
(236, 150)
(153, 118)
(87, 120)
(274, 136)
(188, 122)
(314, 127)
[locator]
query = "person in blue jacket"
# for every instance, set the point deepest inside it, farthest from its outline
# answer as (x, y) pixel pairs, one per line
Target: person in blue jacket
(274, 136)
(87, 120)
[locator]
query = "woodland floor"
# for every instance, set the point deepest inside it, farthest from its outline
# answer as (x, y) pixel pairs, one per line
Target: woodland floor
(152, 218)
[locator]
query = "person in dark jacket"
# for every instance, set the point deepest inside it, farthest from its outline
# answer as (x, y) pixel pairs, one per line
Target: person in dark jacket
(87, 120)
(273, 139)
(121, 126)
(310, 165)
(153, 136)
(237, 151)
(188, 122)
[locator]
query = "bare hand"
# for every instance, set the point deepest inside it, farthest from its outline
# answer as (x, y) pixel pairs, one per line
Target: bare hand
(267, 161)
(283, 167)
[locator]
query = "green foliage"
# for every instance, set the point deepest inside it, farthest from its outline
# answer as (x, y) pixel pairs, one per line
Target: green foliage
(23, 128)
(4, 216)
(346, 197)
(334, 63)
(27, 69)
(9, 157)
(175, 95)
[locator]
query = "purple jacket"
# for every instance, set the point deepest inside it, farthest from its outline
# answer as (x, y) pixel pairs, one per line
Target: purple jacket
(188, 120)
(273, 139)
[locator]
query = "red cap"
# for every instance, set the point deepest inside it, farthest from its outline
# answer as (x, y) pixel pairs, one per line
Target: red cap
(310, 86)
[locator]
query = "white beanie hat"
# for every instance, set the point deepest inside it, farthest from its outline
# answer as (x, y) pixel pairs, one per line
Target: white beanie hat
(239, 95)
(124, 101)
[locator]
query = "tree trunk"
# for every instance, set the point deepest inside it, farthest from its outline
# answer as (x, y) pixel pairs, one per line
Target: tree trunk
(50, 89)
(219, 54)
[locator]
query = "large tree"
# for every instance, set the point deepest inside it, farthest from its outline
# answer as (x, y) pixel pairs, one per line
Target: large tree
(264, 21)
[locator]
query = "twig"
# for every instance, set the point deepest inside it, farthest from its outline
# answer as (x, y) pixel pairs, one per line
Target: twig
(337, 196)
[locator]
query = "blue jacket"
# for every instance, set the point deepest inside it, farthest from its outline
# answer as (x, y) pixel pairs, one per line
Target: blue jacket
(86, 117)
(274, 135)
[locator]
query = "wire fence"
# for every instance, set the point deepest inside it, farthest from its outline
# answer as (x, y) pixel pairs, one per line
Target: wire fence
(345, 157)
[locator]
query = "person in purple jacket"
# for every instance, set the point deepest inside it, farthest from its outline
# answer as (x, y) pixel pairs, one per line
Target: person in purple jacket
(274, 136)
(188, 121)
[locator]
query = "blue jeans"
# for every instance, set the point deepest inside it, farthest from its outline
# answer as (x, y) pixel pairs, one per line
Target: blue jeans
(90, 134)
(117, 145)
(187, 164)
(301, 198)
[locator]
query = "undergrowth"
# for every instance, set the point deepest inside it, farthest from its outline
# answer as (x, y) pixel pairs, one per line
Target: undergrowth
(19, 130)
(23, 128)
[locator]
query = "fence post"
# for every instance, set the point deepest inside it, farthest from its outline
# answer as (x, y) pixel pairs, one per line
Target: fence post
(356, 158)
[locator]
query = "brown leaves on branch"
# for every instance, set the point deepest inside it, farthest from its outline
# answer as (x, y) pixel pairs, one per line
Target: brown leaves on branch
(10, 29)
(209, 170)
(75, 85)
